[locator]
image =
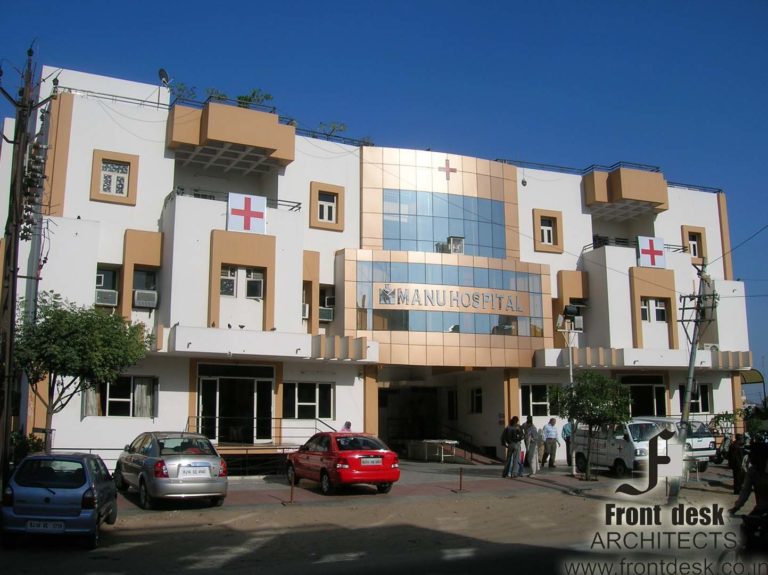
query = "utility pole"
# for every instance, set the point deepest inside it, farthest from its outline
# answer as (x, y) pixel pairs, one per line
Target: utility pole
(26, 182)
(704, 304)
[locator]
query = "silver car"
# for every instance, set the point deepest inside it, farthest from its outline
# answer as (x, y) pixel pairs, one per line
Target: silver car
(172, 465)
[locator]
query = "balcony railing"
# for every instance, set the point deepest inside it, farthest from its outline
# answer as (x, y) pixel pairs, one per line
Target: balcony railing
(221, 196)
(602, 241)
(261, 432)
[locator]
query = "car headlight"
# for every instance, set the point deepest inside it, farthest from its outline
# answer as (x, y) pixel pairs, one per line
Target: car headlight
(641, 452)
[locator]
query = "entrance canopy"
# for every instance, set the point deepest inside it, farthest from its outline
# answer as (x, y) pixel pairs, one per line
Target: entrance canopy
(751, 376)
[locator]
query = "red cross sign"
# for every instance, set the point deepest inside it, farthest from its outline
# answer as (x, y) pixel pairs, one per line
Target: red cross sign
(651, 252)
(447, 169)
(247, 214)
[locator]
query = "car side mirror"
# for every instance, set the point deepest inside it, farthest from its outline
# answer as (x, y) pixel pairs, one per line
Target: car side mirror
(626, 437)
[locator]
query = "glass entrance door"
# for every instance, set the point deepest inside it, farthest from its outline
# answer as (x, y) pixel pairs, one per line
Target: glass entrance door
(235, 409)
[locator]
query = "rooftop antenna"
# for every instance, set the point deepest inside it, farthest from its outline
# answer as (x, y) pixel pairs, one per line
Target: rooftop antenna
(163, 80)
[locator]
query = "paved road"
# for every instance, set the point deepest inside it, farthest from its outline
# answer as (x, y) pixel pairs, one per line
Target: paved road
(437, 519)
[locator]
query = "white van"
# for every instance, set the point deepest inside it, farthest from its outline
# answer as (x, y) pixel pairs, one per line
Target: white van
(621, 447)
(699, 441)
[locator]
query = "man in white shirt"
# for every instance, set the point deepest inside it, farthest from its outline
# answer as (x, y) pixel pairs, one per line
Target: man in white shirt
(550, 442)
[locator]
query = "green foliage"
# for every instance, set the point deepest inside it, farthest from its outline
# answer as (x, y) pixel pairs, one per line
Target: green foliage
(756, 421)
(214, 94)
(70, 348)
(21, 446)
(331, 128)
(594, 400)
(256, 96)
(180, 91)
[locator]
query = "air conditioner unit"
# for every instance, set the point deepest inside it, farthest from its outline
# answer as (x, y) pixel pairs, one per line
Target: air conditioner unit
(305, 311)
(145, 298)
(330, 301)
(710, 346)
(326, 314)
(106, 297)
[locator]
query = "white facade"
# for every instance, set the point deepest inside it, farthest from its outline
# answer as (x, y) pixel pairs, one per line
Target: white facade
(253, 372)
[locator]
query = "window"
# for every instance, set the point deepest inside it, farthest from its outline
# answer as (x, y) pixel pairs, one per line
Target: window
(661, 310)
(106, 278)
(453, 401)
(695, 242)
(228, 276)
(476, 400)
(693, 245)
(547, 231)
(308, 400)
(653, 310)
(128, 396)
(254, 283)
(145, 279)
(535, 400)
(699, 398)
(326, 206)
(114, 177)
(644, 309)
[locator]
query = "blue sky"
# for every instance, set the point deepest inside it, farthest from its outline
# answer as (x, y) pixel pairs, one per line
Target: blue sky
(678, 84)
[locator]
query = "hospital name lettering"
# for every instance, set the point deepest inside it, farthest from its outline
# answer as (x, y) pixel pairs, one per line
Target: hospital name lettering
(443, 298)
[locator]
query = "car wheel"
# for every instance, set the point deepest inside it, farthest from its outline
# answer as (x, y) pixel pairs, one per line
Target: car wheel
(703, 466)
(217, 501)
(291, 473)
(92, 539)
(619, 468)
(112, 517)
(326, 487)
(119, 481)
(581, 463)
(145, 499)
(384, 487)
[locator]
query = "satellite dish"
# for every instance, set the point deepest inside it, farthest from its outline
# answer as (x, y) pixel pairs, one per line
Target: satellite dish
(163, 76)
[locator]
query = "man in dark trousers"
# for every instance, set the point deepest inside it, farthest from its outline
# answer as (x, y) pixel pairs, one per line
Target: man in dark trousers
(512, 438)
(735, 462)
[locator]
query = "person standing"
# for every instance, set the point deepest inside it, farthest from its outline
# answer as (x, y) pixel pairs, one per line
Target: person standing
(511, 438)
(566, 434)
(735, 462)
(532, 446)
(550, 443)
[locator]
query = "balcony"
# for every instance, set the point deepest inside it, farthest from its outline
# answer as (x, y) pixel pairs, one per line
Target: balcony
(599, 241)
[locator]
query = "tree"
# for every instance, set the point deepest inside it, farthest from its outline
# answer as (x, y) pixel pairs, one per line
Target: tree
(68, 349)
(331, 128)
(594, 400)
(256, 96)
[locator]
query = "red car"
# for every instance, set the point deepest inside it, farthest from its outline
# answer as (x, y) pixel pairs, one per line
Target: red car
(344, 458)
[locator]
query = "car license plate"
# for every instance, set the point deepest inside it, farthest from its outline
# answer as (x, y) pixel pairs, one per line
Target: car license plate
(370, 461)
(46, 526)
(194, 471)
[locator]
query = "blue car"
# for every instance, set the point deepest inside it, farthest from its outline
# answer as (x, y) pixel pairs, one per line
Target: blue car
(61, 493)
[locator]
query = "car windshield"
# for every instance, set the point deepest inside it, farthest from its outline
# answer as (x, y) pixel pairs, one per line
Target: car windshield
(643, 431)
(697, 429)
(59, 473)
(185, 446)
(359, 442)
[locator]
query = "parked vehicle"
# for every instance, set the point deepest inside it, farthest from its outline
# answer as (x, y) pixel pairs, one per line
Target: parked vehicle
(699, 441)
(172, 465)
(334, 459)
(61, 493)
(620, 447)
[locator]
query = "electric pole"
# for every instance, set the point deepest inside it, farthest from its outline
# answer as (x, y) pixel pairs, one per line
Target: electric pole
(704, 304)
(26, 183)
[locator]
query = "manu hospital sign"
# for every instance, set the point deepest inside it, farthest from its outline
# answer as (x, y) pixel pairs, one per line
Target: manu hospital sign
(439, 298)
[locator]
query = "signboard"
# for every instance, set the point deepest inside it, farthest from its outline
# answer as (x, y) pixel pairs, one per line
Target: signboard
(440, 298)
(650, 252)
(247, 214)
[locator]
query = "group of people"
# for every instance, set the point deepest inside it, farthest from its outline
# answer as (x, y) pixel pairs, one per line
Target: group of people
(530, 447)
